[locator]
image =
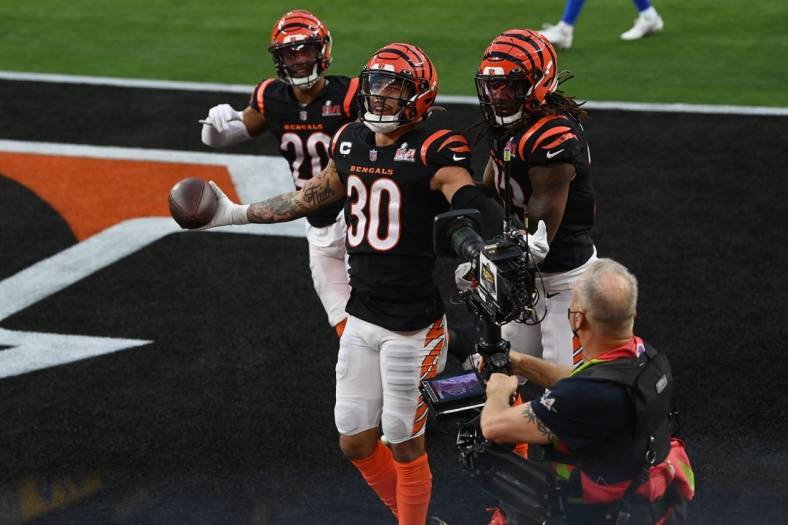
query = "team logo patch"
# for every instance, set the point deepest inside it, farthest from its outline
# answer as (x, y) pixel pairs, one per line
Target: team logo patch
(405, 154)
(302, 115)
(331, 110)
(373, 155)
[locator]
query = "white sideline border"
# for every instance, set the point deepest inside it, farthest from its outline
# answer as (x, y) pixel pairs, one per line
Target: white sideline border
(443, 99)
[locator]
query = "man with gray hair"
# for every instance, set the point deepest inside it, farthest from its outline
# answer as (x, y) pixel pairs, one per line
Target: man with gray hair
(591, 418)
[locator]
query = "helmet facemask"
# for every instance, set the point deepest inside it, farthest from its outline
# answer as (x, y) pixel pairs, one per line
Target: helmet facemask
(299, 63)
(388, 98)
(505, 100)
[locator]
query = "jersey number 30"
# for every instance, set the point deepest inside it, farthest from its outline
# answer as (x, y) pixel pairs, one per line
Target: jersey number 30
(366, 213)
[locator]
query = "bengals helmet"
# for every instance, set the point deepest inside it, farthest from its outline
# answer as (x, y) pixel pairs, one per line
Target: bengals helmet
(301, 48)
(517, 72)
(398, 87)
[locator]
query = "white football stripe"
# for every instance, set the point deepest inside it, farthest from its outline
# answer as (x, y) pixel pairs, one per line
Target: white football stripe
(442, 99)
(34, 350)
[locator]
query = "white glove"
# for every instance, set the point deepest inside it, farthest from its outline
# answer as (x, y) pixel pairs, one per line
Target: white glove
(227, 212)
(459, 277)
(537, 243)
(220, 117)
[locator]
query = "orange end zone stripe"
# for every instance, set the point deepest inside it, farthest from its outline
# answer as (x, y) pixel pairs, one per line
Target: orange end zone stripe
(94, 194)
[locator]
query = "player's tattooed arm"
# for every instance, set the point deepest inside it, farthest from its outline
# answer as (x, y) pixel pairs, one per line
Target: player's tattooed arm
(540, 427)
(320, 191)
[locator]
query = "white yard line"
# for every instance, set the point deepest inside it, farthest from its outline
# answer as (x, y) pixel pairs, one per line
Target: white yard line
(442, 99)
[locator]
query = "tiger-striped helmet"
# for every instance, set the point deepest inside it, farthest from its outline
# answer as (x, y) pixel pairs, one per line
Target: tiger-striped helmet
(301, 48)
(399, 84)
(517, 71)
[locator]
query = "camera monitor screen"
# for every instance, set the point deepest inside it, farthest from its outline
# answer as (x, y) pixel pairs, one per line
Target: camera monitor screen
(455, 387)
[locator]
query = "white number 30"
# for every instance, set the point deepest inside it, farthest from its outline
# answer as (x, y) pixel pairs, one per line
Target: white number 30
(365, 206)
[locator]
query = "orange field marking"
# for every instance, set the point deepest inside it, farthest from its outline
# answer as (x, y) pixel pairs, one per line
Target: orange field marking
(94, 194)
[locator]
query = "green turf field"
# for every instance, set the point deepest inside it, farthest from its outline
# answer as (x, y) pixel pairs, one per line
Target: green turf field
(712, 51)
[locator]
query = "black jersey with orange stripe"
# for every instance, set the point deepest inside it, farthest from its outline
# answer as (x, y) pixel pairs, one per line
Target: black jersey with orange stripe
(389, 211)
(304, 131)
(545, 140)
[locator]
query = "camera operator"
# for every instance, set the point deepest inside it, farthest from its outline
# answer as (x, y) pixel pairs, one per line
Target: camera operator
(589, 422)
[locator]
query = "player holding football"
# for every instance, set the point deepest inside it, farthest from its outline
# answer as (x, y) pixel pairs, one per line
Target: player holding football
(538, 140)
(397, 177)
(303, 109)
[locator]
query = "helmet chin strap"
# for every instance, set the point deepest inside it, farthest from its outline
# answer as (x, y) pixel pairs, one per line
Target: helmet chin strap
(511, 119)
(304, 83)
(381, 123)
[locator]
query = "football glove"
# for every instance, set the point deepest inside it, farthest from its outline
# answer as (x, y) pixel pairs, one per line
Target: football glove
(537, 243)
(227, 212)
(220, 117)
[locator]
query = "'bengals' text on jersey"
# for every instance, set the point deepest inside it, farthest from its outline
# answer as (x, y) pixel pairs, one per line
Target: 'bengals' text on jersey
(545, 140)
(389, 212)
(304, 132)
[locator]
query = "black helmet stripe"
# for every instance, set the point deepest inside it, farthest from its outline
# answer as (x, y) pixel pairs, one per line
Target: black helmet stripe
(536, 44)
(418, 53)
(399, 54)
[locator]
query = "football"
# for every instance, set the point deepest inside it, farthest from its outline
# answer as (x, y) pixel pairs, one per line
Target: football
(192, 203)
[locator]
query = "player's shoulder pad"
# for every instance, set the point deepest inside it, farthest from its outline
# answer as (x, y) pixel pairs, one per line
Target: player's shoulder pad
(446, 147)
(257, 99)
(342, 134)
(552, 138)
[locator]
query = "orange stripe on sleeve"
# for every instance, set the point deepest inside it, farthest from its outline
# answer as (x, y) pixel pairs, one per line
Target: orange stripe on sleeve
(549, 133)
(533, 129)
(261, 98)
(352, 90)
(336, 136)
(560, 140)
(432, 138)
(453, 138)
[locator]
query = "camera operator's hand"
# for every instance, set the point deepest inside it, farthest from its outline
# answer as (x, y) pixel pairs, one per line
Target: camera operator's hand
(537, 243)
(501, 386)
(462, 277)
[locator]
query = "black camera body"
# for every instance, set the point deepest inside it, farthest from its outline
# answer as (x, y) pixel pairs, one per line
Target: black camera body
(503, 286)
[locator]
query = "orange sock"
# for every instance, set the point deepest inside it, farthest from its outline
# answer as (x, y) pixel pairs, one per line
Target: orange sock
(340, 328)
(380, 473)
(414, 488)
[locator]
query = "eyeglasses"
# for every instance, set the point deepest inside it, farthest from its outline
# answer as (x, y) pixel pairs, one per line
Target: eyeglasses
(569, 313)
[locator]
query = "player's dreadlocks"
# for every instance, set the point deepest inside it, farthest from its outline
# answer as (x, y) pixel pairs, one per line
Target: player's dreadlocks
(557, 102)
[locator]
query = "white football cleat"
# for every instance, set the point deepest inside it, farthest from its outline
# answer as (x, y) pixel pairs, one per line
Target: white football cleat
(645, 24)
(560, 35)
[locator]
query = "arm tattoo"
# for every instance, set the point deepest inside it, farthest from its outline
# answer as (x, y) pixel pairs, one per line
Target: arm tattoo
(290, 206)
(528, 412)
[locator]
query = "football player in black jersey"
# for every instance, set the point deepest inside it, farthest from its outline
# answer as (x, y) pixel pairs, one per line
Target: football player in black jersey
(303, 108)
(538, 139)
(397, 176)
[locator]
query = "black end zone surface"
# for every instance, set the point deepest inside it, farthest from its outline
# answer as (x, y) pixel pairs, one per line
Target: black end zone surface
(227, 417)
